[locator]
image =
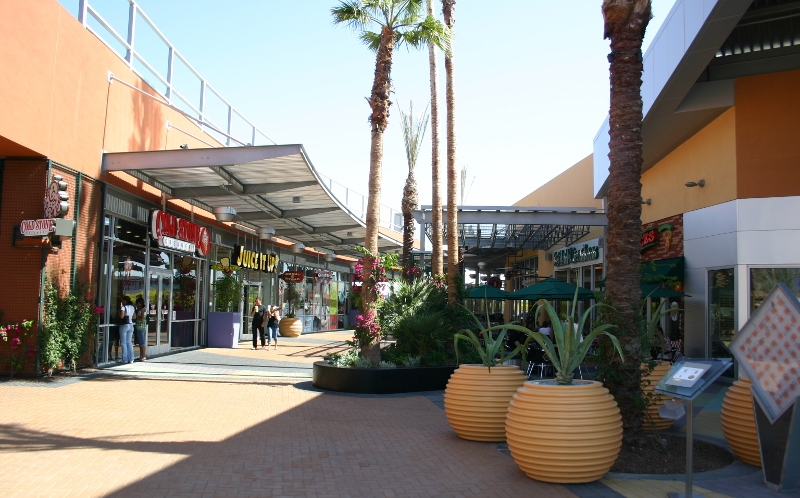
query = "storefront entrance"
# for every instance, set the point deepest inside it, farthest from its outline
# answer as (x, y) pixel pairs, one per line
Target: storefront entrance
(252, 291)
(159, 311)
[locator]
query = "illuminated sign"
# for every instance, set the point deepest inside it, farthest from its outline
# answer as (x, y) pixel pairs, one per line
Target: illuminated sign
(649, 238)
(255, 260)
(576, 254)
(293, 277)
(168, 228)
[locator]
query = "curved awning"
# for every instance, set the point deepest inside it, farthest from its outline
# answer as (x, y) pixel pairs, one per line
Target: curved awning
(270, 186)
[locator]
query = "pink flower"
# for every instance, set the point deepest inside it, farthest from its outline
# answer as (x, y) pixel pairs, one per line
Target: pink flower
(98, 310)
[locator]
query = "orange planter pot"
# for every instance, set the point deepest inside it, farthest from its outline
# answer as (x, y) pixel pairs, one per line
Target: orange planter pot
(476, 400)
(564, 434)
(290, 327)
(656, 422)
(739, 424)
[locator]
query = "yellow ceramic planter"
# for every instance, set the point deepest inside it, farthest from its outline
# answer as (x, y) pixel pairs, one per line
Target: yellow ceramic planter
(476, 400)
(648, 385)
(290, 327)
(564, 434)
(739, 424)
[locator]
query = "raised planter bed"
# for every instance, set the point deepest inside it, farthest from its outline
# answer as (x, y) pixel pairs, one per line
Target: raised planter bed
(380, 380)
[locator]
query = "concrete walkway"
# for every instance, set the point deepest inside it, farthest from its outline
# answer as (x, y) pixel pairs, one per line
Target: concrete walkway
(213, 422)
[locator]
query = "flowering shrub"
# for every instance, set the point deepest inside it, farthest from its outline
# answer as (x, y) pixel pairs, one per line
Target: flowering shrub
(16, 336)
(412, 272)
(367, 330)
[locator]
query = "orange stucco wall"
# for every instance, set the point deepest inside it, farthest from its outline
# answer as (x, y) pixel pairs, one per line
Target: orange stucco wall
(573, 188)
(767, 131)
(710, 155)
(57, 101)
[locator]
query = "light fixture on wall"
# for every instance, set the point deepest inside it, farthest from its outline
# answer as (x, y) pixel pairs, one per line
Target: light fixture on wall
(699, 183)
(647, 201)
(224, 213)
(265, 233)
(296, 199)
(298, 248)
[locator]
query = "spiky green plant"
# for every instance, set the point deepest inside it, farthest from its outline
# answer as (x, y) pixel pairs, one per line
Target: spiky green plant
(571, 350)
(492, 352)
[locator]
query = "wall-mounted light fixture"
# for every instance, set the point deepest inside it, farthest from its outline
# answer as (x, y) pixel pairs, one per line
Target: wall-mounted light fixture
(647, 201)
(296, 199)
(224, 213)
(265, 233)
(184, 146)
(298, 248)
(699, 183)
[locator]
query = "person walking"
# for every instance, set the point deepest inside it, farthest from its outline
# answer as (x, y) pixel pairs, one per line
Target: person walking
(140, 328)
(272, 326)
(258, 323)
(126, 314)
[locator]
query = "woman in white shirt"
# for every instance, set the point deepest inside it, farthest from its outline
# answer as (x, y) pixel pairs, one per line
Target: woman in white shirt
(126, 313)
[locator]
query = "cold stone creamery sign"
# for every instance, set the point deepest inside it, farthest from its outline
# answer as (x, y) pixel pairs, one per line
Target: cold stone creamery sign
(579, 253)
(177, 233)
(255, 260)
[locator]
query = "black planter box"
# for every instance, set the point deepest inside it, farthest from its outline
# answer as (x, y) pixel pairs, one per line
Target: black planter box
(380, 380)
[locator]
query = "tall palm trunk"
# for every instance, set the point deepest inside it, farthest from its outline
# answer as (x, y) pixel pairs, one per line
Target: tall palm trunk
(437, 260)
(379, 119)
(625, 24)
(410, 203)
(449, 7)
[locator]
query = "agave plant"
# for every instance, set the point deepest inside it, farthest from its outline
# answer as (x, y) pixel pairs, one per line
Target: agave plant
(571, 350)
(492, 352)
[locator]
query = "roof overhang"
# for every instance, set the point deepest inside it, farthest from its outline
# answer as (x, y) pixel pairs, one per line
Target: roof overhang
(271, 186)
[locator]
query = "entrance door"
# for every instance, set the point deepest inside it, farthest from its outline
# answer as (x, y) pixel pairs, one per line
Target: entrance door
(252, 291)
(159, 311)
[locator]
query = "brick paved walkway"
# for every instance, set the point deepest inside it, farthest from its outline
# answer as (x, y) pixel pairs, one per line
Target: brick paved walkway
(234, 423)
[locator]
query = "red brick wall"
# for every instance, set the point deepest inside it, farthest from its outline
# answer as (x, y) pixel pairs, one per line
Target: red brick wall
(24, 184)
(660, 251)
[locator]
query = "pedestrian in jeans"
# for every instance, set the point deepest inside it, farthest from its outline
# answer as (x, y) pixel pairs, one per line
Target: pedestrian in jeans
(272, 326)
(258, 323)
(126, 314)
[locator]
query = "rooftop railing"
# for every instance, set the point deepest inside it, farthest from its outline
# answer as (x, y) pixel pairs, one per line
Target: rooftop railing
(150, 55)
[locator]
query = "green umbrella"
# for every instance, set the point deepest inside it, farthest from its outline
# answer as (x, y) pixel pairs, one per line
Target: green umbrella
(549, 289)
(487, 292)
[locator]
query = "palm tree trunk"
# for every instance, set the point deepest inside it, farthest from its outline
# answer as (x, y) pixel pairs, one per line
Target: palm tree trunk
(449, 7)
(437, 260)
(625, 24)
(410, 202)
(379, 119)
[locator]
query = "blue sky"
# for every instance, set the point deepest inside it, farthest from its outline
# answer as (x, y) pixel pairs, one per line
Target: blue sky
(531, 84)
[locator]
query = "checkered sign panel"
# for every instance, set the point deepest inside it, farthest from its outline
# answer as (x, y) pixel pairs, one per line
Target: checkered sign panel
(768, 350)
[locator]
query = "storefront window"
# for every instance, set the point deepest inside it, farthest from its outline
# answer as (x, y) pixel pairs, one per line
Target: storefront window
(762, 280)
(721, 306)
(129, 231)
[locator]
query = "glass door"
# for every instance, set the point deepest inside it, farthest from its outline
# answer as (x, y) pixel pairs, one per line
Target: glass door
(159, 311)
(252, 291)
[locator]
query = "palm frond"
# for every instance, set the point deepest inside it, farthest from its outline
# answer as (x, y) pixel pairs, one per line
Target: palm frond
(352, 13)
(413, 134)
(371, 39)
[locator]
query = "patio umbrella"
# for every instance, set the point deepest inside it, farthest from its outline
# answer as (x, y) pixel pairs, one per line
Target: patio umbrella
(487, 292)
(549, 289)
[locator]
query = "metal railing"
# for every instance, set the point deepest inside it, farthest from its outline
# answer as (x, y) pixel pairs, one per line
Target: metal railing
(176, 89)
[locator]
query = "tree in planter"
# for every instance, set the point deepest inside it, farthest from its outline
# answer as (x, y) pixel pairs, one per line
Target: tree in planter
(292, 297)
(228, 293)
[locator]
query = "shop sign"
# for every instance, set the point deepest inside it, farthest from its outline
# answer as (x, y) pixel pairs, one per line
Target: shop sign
(293, 277)
(178, 245)
(55, 198)
(323, 276)
(649, 238)
(255, 260)
(168, 227)
(36, 228)
(576, 254)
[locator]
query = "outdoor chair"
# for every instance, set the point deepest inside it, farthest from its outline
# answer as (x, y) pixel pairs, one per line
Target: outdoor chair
(538, 363)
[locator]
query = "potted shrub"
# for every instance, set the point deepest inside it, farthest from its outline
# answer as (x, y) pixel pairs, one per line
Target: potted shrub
(290, 325)
(563, 430)
(477, 395)
(225, 322)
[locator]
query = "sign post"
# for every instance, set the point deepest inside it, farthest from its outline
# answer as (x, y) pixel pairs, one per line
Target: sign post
(686, 380)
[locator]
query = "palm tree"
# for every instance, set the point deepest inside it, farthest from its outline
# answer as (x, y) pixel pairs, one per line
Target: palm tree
(437, 234)
(398, 22)
(448, 9)
(413, 134)
(625, 24)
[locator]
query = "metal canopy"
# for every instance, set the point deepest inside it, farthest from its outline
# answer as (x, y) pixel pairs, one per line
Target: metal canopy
(499, 230)
(271, 186)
